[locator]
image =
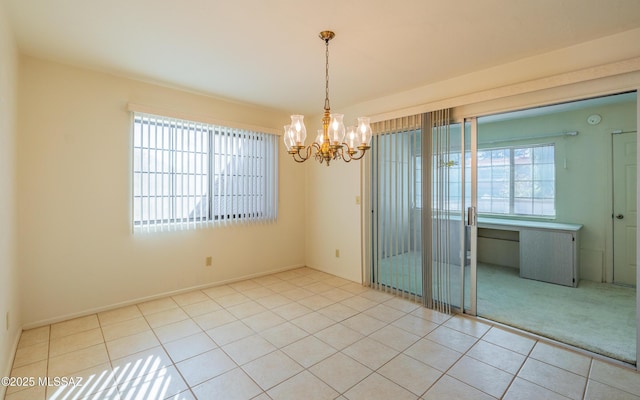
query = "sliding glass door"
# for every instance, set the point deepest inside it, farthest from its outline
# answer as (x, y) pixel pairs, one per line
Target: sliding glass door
(447, 257)
(549, 181)
(514, 217)
(421, 243)
(397, 207)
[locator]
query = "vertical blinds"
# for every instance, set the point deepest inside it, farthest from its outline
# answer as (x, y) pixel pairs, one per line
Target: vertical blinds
(189, 174)
(440, 261)
(411, 209)
(396, 229)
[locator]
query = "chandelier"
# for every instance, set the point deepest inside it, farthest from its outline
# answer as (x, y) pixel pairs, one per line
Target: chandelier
(333, 140)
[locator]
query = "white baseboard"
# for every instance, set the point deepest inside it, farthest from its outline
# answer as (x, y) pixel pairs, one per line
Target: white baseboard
(95, 310)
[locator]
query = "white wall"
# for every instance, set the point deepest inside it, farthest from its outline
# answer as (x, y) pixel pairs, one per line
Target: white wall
(9, 289)
(76, 250)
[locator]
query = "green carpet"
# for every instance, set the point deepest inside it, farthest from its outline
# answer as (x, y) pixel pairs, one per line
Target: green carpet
(598, 317)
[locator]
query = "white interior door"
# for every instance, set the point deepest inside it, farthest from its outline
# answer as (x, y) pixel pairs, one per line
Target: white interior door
(624, 208)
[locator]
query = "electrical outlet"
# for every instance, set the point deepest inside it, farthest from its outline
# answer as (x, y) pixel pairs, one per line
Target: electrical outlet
(337, 253)
(208, 261)
(358, 201)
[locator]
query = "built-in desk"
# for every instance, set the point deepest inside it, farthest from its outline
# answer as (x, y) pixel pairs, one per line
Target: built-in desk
(549, 251)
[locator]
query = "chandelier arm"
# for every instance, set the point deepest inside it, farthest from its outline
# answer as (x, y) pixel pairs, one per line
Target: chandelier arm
(353, 154)
(308, 151)
(362, 153)
(297, 157)
(302, 158)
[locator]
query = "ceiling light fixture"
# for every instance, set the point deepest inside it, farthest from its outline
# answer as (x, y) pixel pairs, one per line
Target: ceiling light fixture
(328, 145)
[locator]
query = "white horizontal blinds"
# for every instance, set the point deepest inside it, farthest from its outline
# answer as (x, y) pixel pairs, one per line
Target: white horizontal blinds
(396, 235)
(441, 211)
(189, 174)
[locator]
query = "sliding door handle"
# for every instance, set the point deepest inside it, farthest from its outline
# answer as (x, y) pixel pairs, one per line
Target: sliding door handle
(471, 216)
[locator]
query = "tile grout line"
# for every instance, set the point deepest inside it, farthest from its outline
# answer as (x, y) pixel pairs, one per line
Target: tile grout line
(443, 372)
(173, 363)
(108, 356)
(530, 357)
(373, 371)
(238, 366)
(423, 337)
(520, 369)
(46, 369)
(584, 393)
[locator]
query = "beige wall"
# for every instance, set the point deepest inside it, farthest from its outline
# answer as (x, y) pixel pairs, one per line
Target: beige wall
(76, 250)
(569, 73)
(333, 218)
(9, 288)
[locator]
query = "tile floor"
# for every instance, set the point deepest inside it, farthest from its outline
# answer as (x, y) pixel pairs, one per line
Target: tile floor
(301, 334)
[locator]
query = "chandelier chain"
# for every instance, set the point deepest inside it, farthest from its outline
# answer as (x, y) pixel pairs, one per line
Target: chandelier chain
(326, 74)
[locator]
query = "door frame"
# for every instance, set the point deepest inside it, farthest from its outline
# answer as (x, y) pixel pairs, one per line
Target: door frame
(637, 238)
(470, 215)
(615, 240)
(606, 272)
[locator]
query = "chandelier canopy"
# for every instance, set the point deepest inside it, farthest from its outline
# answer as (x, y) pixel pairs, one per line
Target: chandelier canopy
(333, 140)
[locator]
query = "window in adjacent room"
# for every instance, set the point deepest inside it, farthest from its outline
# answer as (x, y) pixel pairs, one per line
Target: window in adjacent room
(188, 174)
(517, 180)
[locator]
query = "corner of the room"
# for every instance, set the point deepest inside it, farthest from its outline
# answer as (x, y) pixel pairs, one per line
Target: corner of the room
(10, 323)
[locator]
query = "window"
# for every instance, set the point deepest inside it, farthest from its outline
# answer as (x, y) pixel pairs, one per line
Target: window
(187, 174)
(517, 181)
(511, 180)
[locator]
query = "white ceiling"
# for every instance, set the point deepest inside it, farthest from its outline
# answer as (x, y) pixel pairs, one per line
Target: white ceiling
(267, 52)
